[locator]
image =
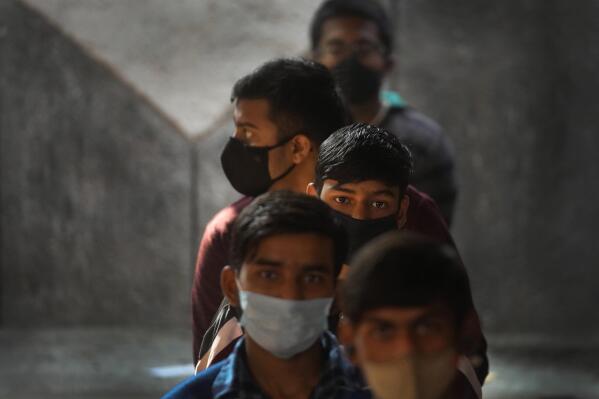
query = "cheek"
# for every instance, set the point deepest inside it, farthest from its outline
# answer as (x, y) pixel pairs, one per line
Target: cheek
(435, 343)
(328, 61)
(277, 162)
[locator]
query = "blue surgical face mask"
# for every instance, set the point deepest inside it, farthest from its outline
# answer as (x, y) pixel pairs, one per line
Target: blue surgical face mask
(283, 327)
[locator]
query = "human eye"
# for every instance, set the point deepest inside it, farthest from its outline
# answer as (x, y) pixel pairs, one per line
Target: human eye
(427, 327)
(341, 200)
(379, 204)
(383, 331)
(335, 49)
(268, 274)
(314, 278)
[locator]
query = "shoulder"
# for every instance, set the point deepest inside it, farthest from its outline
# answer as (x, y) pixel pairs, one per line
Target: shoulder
(198, 386)
(410, 118)
(419, 199)
(221, 222)
(424, 217)
(420, 133)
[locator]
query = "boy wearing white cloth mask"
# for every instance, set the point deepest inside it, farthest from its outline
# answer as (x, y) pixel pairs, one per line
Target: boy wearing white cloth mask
(286, 252)
(405, 302)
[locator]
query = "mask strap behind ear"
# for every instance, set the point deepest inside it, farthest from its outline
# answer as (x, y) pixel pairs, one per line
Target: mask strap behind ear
(282, 175)
(281, 143)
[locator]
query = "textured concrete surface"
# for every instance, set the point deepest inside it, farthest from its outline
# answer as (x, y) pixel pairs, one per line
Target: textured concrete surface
(92, 363)
(515, 85)
(104, 201)
(184, 54)
(95, 190)
(145, 363)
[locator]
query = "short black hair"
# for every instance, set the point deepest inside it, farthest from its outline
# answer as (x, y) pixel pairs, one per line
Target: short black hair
(367, 9)
(363, 152)
(402, 270)
(301, 94)
(284, 212)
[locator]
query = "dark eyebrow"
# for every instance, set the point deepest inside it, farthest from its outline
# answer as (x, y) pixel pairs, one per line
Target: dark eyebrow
(245, 124)
(316, 267)
(339, 187)
(378, 320)
(267, 262)
(385, 192)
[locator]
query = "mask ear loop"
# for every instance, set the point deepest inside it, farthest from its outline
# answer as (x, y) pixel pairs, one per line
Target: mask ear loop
(279, 144)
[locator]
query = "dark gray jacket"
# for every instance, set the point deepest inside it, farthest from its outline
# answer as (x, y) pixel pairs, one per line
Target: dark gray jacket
(434, 171)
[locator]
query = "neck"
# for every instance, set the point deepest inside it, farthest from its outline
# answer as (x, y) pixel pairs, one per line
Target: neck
(282, 378)
(298, 180)
(365, 112)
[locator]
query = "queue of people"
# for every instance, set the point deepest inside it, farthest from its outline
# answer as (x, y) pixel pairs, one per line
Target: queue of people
(335, 275)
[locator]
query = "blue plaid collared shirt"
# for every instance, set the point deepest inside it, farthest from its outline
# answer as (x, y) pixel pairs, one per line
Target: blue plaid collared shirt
(338, 376)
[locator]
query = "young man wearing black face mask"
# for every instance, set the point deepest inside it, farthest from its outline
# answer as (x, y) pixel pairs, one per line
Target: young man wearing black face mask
(354, 39)
(283, 111)
(362, 173)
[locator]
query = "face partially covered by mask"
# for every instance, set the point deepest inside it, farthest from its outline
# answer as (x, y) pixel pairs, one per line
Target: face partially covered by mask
(414, 376)
(357, 82)
(359, 232)
(283, 327)
(246, 167)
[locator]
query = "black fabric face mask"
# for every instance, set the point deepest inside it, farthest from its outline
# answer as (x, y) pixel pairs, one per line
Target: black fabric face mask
(359, 232)
(246, 167)
(357, 82)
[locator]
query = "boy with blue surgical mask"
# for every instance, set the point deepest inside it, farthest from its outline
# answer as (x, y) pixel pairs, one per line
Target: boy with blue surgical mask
(286, 252)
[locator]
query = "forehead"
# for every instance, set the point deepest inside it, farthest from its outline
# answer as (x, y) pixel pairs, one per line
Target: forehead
(365, 187)
(296, 250)
(251, 110)
(350, 29)
(405, 315)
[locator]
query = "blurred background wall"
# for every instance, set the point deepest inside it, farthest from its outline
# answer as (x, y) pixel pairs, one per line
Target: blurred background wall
(113, 115)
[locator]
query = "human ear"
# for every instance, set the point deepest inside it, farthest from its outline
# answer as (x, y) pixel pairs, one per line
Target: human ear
(228, 284)
(311, 190)
(346, 335)
(301, 148)
(402, 214)
(390, 63)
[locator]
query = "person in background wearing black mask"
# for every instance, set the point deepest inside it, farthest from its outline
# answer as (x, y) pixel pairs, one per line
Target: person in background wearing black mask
(354, 39)
(362, 173)
(282, 112)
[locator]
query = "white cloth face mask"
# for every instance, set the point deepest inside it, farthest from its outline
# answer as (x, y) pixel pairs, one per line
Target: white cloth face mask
(412, 376)
(283, 327)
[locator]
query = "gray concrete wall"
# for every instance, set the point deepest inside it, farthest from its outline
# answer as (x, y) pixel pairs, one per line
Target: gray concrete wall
(515, 85)
(95, 189)
(103, 202)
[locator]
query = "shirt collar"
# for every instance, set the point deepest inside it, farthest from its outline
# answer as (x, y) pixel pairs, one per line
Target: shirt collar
(338, 374)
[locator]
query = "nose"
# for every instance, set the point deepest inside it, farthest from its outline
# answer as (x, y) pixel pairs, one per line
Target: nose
(360, 212)
(238, 134)
(404, 343)
(292, 289)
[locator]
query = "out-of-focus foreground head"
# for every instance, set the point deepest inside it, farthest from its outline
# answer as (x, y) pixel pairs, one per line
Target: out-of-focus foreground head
(405, 299)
